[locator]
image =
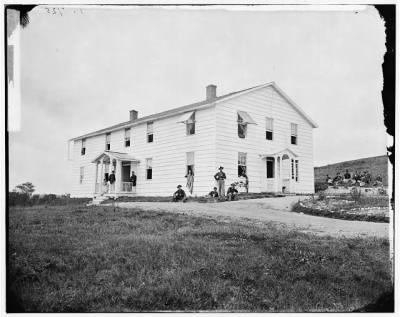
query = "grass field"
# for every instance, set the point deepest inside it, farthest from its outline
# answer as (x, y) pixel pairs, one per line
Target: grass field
(377, 165)
(95, 259)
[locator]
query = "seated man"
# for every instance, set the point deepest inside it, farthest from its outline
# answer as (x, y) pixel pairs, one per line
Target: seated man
(378, 181)
(179, 195)
(328, 180)
(337, 179)
(347, 177)
(213, 193)
(232, 192)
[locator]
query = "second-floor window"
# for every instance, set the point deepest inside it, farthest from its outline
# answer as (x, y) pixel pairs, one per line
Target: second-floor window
(150, 135)
(243, 119)
(108, 141)
(269, 129)
(127, 137)
(191, 124)
(242, 127)
(83, 147)
(293, 133)
(149, 168)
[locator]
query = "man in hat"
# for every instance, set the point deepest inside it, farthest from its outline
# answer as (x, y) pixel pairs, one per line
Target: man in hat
(112, 179)
(133, 179)
(213, 193)
(179, 195)
(232, 192)
(220, 178)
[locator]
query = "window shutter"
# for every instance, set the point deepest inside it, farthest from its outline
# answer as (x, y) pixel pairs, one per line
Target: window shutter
(269, 125)
(189, 158)
(293, 128)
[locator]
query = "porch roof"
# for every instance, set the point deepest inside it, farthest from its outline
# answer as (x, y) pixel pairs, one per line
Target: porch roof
(279, 153)
(116, 155)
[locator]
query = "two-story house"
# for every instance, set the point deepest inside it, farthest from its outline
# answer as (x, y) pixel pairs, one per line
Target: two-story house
(259, 131)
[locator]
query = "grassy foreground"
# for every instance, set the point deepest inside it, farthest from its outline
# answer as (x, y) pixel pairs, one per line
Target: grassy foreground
(92, 259)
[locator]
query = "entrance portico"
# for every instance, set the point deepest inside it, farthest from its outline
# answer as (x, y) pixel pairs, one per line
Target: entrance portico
(282, 170)
(121, 164)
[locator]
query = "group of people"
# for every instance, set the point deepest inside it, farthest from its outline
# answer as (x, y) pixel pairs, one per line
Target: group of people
(109, 182)
(358, 178)
(217, 192)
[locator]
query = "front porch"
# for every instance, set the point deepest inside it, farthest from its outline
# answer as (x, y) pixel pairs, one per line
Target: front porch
(119, 164)
(282, 171)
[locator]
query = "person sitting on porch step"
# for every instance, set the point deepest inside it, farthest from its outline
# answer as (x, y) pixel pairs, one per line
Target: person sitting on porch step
(179, 195)
(232, 192)
(112, 179)
(133, 179)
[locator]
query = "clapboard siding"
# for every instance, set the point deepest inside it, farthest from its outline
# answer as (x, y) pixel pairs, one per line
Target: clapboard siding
(168, 152)
(215, 143)
(259, 104)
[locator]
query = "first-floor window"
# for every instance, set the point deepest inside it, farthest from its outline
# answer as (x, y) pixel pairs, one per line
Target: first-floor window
(270, 167)
(297, 170)
(242, 164)
(149, 168)
(189, 162)
(81, 175)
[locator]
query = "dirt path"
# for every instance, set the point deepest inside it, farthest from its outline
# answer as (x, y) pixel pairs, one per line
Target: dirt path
(271, 210)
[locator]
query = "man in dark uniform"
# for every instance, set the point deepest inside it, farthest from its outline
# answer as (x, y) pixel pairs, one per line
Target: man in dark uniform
(133, 179)
(213, 193)
(220, 178)
(232, 192)
(112, 180)
(179, 195)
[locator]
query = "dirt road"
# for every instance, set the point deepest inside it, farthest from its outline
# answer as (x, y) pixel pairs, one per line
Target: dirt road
(271, 210)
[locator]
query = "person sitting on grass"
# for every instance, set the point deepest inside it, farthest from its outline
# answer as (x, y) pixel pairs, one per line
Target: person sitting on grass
(213, 193)
(232, 192)
(179, 195)
(378, 181)
(347, 177)
(328, 179)
(337, 179)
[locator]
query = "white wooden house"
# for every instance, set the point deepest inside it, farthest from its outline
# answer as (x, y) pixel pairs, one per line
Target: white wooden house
(259, 130)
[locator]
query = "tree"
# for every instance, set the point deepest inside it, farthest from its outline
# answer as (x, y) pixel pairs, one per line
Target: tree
(25, 188)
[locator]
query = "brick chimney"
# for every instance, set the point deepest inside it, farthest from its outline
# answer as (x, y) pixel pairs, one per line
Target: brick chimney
(211, 91)
(133, 115)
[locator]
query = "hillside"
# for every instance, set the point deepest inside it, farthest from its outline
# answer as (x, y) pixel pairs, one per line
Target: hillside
(377, 165)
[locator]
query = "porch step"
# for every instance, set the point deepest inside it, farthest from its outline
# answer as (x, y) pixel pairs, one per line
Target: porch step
(97, 200)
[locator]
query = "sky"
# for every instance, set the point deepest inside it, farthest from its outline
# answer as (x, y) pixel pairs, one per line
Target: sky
(83, 69)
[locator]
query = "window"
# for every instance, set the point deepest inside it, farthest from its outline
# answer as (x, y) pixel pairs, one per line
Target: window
(242, 127)
(191, 125)
(149, 132)
(242, 167)
(189, 162)
(270, 167)
(296, 162)
(293, 133)
(81, 175)
(243, 120)
(127, 137)
(83, 147)
(149, 168)
(108, 144)
(292, 169)
(269, 129)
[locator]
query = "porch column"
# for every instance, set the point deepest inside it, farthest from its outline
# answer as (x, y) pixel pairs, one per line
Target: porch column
(118, 174)
(276, 174)
(96, 177)
(101, 175)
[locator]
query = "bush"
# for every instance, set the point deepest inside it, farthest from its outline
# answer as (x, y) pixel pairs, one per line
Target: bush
(18, 199)
(21, 199)
(320, 187)
(355, 194)
(321, 195)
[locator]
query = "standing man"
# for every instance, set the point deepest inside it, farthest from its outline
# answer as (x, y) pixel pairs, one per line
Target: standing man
(111, 179)
(133, 179)
(220, 178)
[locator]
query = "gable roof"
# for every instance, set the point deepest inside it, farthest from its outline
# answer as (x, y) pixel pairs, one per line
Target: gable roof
(195, 106)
